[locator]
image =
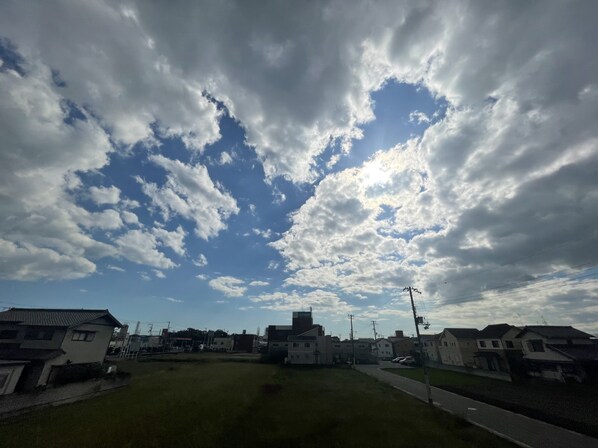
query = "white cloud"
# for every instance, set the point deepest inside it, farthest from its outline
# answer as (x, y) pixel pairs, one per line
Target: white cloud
(258, 283)
(175, 239)
(129, 217)
(140, 247)
(144, 276)
(418, 117)
(229, 286)
(201, 261)
(173, 300)
(115, 268)
(266, 234)
(225, 158)
(105, 195)
(202, 276)
(324, 301)
(190, 193)
(158, 274)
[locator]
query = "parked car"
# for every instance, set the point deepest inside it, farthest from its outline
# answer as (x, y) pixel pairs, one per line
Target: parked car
(407, 361)
(398, 359)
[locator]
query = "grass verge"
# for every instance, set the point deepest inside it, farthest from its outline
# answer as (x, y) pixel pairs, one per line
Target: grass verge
(227, 404)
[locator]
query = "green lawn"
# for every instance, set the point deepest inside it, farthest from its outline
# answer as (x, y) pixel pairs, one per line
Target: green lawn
(231, 404)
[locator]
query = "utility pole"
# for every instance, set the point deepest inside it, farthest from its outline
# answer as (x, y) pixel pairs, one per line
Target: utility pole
(352, 341)
(417, 321)
(375, 338)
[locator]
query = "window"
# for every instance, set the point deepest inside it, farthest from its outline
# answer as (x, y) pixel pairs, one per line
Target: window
(86, 336)
(510, 344)
(295, 344)
(495, 344)
(535, 345)
(40, 334)
(482, 343)
(9, 334)
(445, 344)
(274, 344)
(307, 345)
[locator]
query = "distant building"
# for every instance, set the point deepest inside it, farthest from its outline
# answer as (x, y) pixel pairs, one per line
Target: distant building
(342, 351)
(223, 344)
(48, 339)
(457, 346)
(244, 342)
(382, 349)
(430, 344)
(498, 348)
(401, 345)
(278, 335)
(310, 347)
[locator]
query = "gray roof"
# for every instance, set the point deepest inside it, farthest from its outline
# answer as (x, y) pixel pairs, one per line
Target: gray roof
(494, 331)
(463, 333)
(55, 317)
(553, 331)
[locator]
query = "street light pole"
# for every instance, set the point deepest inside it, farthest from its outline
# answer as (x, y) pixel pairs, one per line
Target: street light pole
(419, 341)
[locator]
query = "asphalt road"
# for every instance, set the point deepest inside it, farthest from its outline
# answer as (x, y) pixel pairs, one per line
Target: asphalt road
(517, 428)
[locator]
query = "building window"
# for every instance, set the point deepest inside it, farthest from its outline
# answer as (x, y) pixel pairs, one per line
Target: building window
(9, 334)
(274, 344)
(482, 343)
(86, 336)
(39, 334)
(495, 344)
(295, 344)
(445, 344)
(307, 345)
(535, 345)
(510, 344)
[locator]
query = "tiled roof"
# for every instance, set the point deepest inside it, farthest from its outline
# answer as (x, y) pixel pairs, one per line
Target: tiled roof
(553, 331)
(463, 333)
(494, 331)
(54, 317)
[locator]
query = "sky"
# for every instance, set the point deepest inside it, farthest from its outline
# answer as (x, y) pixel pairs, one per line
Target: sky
(222, 164)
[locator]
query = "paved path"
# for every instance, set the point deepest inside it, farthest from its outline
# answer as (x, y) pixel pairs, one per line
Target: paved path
(517, 428)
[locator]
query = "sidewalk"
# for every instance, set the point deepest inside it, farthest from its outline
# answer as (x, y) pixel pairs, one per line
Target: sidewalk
(522, 430)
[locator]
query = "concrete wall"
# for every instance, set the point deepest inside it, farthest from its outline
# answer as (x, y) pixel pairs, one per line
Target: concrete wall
(15, 404)
(13, 373)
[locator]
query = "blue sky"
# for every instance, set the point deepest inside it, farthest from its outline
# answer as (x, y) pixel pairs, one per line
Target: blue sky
(171, 171)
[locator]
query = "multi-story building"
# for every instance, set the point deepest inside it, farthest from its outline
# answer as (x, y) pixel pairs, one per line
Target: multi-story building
(498, 348)
(457, 346)
(278, 335)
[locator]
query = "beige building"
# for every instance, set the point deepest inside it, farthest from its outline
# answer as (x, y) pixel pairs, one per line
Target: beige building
(48, 339)
(430, 347)
(310, 347)
(457, 346)
(382, 349)
(497, 348)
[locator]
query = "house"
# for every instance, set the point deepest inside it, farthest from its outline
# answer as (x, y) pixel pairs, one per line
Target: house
(558, 352)
(278, 344)
(430, 344)
(401, 345)
(49, 339)
(223, 344)
(342, 351)
(382, 349)
(310, 347)
(457, 346)
(498, 348)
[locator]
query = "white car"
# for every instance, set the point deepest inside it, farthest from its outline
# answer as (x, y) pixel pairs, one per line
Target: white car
(398, 359)
(407, 360)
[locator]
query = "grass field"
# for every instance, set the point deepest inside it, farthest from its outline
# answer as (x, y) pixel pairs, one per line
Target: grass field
(243, 404)
(572, 406)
